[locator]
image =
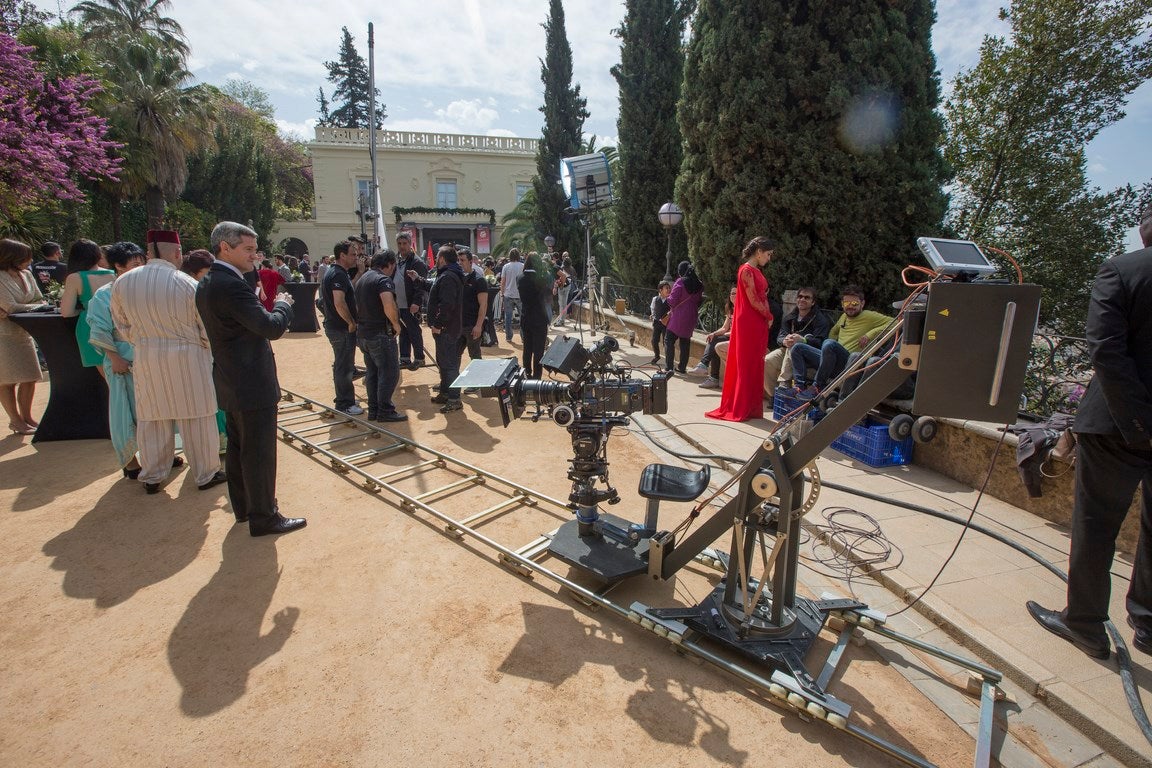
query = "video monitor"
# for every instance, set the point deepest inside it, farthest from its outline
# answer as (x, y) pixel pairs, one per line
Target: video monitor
(951, 257)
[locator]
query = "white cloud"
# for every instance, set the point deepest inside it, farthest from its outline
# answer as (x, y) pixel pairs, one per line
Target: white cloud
(303, 130)
(469, 115)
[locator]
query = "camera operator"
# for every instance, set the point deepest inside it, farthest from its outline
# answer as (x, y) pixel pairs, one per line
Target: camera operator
(445, 319)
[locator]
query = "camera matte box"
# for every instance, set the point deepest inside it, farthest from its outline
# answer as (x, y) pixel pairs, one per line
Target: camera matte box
(565, 356)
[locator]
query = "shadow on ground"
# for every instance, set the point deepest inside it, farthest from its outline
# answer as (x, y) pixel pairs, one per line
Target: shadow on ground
(218, 640)
(129, 541)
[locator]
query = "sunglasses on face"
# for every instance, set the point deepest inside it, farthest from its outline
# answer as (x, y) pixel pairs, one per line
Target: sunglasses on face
(849, 303)
(804, 298)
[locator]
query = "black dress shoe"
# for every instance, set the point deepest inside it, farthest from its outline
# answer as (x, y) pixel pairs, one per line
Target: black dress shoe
(440, 399)
(215, 480)
(394, 416)
(152, 488)
(1143, 638)
(280, 524)
(132, 474)
(1094, 645)
(241, 519)
(416, 365)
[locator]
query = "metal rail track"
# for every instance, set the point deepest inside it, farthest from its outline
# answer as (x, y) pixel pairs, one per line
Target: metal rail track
(300, 420)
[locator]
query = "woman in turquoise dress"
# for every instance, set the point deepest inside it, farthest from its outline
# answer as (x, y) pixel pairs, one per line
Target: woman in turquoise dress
(86, 275)
(116, 359)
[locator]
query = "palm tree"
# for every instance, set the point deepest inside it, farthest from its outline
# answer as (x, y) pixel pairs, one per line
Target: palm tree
(518, 231)
(161, 120)
(113, 21)
(154, 111)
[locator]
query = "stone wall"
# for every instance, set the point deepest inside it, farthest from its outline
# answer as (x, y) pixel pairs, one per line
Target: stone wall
(963, 452)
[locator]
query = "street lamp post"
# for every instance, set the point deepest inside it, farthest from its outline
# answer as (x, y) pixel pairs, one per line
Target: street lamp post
(670, 216)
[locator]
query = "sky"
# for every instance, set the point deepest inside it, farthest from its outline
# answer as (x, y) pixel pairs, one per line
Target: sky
(469, 66)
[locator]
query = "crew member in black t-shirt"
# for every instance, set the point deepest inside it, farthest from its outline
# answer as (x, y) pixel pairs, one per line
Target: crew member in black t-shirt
(475, 307)
(340, 326)
(52, 268)
(376, 332)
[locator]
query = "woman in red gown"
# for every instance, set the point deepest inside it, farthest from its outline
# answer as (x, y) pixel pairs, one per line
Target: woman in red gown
(743, 394)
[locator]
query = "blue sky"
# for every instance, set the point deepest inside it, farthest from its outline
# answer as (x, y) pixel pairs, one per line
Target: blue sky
(467, 66)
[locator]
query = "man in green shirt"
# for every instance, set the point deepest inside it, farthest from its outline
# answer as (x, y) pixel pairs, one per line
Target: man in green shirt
(813, 368)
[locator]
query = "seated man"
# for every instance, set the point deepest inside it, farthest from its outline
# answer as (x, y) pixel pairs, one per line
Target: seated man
(806, 324)
(814, 367)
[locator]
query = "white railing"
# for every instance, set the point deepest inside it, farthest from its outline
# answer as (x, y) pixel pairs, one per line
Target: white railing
(437, 142)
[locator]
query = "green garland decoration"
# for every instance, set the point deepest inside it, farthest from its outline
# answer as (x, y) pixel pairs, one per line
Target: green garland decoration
(402, 212)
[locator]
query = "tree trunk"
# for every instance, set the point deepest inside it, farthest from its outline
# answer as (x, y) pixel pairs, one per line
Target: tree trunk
(154, 205)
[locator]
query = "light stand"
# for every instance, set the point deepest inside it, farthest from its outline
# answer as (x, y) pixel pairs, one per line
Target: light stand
(670, 216)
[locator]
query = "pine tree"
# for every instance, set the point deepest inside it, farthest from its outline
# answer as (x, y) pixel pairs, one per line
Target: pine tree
(564, 115)
(649, 74)
(349, 73)
(814, 124)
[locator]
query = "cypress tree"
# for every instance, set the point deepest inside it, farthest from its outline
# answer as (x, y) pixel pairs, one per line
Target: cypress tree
(814, 124)
(564, 115)
(349, 73)
(649, 74)
(325, 119)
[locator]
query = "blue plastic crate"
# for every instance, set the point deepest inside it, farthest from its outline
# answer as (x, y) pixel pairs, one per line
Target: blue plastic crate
(783, 402)
(870, 443)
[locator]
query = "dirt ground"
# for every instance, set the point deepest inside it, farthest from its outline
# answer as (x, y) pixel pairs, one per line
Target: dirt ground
(151, 630)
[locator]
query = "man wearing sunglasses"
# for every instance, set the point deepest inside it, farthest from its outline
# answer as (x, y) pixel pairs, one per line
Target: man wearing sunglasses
(814, 367)
(806, 324)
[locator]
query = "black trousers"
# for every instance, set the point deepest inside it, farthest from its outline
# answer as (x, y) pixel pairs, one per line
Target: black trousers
(535, 339)
(671, 341)
(469, 343)
(658, 331)
(448, 360)
(251, 465)
(1108, 470)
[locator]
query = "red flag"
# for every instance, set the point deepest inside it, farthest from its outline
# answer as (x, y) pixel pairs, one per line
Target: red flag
(431, 257)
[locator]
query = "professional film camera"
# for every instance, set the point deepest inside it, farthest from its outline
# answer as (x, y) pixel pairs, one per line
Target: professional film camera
(599, 395)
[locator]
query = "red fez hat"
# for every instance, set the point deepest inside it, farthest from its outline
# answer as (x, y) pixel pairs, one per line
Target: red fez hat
(163, 236)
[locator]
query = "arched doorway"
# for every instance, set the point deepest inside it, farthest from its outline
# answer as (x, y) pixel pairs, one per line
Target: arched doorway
(293, 246)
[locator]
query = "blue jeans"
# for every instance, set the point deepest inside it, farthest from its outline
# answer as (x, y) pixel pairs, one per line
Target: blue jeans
(511, 304)
(343, 360)
(828, 361)
(562, 301)
(411, 337)
(382, 372)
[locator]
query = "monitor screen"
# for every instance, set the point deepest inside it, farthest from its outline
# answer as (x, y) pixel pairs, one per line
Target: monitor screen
(952, 256)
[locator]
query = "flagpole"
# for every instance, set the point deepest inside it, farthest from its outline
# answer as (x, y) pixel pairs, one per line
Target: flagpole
(374, 188)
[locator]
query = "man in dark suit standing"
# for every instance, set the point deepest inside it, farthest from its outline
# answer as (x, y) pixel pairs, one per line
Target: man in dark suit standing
(244, 372)
(1114, 455)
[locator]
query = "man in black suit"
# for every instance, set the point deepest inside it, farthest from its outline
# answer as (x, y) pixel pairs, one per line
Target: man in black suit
(1114, 454)
(244, 372)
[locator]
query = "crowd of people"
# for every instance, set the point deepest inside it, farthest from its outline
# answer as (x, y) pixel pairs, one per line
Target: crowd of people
(183, 343)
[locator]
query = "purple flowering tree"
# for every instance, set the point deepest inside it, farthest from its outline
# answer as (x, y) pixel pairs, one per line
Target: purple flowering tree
(49, 138)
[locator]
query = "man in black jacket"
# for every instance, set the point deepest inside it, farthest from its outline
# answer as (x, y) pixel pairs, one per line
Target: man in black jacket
(1114, 455)
(244, 373)
(446, 319)
(409, 298)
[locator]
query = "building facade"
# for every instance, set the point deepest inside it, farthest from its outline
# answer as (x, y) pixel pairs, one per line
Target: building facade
(448, 187)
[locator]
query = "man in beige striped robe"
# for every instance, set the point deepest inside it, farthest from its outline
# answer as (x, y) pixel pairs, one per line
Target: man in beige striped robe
(155, 309)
